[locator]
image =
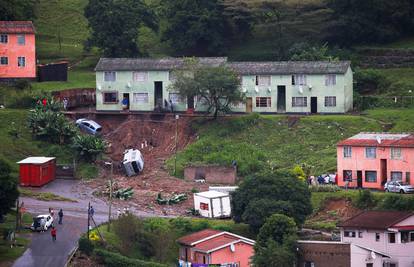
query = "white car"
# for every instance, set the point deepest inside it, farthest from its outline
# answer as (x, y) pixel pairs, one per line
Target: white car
(89, 126)
(398, 187)
(42, 222)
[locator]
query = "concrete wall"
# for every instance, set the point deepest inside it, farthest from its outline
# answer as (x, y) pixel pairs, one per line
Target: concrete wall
(242, 254)
(212, 174)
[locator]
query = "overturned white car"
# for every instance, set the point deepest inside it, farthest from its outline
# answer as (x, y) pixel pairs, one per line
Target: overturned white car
(133, 162)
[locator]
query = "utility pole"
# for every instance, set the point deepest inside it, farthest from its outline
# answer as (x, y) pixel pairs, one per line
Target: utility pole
(17, 214)
(110, 194)
(176, 141)
(89, 217)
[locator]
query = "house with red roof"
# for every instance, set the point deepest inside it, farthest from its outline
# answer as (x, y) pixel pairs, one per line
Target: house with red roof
(210, 246)
(17, 50)
(369, 160)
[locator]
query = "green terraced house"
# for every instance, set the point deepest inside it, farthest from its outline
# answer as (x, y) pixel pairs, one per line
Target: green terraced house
(142, 84)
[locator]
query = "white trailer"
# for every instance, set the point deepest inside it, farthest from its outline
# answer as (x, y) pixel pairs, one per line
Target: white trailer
(133, 162)
(212, 204)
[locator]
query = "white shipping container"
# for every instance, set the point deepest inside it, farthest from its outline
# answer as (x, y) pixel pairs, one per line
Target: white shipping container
(212, 204)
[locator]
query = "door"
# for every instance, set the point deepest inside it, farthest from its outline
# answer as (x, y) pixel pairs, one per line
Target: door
(125, 101)
(249, 105)
(158, 95)
(314, 105)
(359, 179)
(383, 166)
(190, 102)
(281, 98)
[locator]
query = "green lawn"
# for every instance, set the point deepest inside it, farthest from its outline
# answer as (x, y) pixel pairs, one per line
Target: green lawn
(78, 78)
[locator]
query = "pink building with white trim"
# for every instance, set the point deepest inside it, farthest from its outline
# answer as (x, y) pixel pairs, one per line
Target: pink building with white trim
(369, 160)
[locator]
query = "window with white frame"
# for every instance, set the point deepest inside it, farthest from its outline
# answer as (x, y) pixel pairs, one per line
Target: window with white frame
(4, 38)
(377, 237)
(396, 153)
(330, 101)
(110, 97)
(140, 98)
(347, 175)
(263, 102)
(309, 264)
(21, 39)
(330, 79)
(140, 76)
(175, 98)
(396, 176)
(109, 76)
(263, 80)
(299, 101)
(391, 237)
(299, 79)
(371, 176)
(347, 151)
(4, 60)
(21, 62)
(349, 234)
(370, 152)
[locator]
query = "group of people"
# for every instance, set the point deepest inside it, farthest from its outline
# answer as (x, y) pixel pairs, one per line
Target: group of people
(322, 179)
(53, 231)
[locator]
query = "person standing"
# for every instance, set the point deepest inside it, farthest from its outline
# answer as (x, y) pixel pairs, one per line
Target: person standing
(91, 211)
(60, 213)
(53, 233)
(65, 103)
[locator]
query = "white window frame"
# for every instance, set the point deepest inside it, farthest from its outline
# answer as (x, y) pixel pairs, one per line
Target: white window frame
(369, 154)
(4, 38)
(349, 233)
(268, 102)
(263, 80)
(21, 62)
(140, 76)
(7, 61)
(347, 151)
(393, 173)
(299, 79)
(303, 103)
(21, 37)
(110, 92)
(140, 98)
(105, 77)
(396, 153)
(330, 79)
(366, 176)
(330, 101)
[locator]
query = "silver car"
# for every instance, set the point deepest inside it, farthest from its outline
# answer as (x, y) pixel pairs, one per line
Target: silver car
(398, 187)
(89, 126)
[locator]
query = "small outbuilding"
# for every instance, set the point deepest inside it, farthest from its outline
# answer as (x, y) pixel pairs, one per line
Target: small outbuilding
(37, 171)
(212, 204)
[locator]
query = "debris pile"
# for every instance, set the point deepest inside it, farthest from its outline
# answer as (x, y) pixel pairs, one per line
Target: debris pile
(174, 199)
(118, 192)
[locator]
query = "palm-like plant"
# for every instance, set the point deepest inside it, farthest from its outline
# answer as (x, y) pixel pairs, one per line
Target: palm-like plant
(88, 147)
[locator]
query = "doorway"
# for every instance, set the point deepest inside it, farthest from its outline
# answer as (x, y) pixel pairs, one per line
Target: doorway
(314, 105)
(158, 95)
(249, 104)
(383, 166)
(125, 101)
(190, 102)
(281, 98)
(359, 179)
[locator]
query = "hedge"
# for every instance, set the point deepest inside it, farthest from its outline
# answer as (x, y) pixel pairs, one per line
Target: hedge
(112, 259)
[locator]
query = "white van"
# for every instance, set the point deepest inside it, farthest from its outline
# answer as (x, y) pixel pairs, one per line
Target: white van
(133, 162)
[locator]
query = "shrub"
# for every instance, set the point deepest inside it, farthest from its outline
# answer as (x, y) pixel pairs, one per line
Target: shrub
(88, 147)
(324, 188)
(397, 202)
(370, 81)
(85, 245)
(22, 84)
(111, 259)
(365, 200)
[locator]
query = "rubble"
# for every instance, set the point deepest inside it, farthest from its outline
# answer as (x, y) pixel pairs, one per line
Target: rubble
(174, 199)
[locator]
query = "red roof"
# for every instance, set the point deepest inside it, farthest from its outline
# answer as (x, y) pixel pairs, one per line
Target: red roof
(380, 220)
(404, 227)
(407, 141)
(216, 242)
(16, 27)
(194, 237)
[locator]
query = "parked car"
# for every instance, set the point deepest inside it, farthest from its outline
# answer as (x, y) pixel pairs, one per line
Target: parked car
(398, 187)
(42, 222)
(89, 126)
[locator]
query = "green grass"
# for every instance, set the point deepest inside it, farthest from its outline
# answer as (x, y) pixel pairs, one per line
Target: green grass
(401, 120)
(87, 171)
(43, 196)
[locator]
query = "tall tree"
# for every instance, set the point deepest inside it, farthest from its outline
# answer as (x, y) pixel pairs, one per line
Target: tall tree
(215, 87)
(115, 25)
(196, 27)
(8, 189)
(17, 9)
(261, 195)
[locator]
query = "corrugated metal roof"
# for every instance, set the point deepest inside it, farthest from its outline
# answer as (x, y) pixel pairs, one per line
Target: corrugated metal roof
(379, 140)
(16, 27)
(35, 160)
(380, 220)
(191, 238)
(216, 242)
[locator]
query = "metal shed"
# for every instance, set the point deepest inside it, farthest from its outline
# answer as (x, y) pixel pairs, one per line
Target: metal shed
(37, 171)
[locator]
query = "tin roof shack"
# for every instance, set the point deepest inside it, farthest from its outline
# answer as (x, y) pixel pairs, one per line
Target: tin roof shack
(37, 171)
(212, 204)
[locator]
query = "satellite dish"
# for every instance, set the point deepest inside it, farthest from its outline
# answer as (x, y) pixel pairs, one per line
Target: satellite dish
(256, 88)
(129, 85)
(99, 87)
(269, 89)
(310, 86)
(300, 89)
(373, 255)
(244, 89)
(379, 140)
(232, 248)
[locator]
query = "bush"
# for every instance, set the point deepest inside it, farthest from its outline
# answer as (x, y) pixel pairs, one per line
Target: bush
(324, 188)
(365, 200)
(22, 84)
(397, 202)
(85, 245)
(88, 147)
(370, 81)
(111, 259)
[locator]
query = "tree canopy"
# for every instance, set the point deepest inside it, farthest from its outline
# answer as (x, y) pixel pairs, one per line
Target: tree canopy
(215, 87)
(261, 195)
(115, 25)
(17, 9)
(8, 189)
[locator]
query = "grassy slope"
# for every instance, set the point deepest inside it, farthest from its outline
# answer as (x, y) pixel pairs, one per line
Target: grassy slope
(312, 140)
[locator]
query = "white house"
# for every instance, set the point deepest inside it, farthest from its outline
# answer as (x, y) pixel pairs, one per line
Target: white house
(212, 204)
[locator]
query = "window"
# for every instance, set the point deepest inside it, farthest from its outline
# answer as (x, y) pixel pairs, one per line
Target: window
(407, 177)
(391, 237)
(299, 101)
(4, 60)
(109, 76)
(263, 102)
(21, 39)
(263, 80)
(349, 234)
(396, 176)
(347, 151)
(360, 234)
(140, 76)
(405, 237)
(412, 236)
(110, 97)
(330, 79)
(330, 101)
(396, 153)
(369, 265)
(203, 206)
(371, 176)
(299, 79)
(347, 176)
(370, 152)
(377, 237)
(4, 38)
(309, 264)
(140, 98)
(175, 98)
(21, 61)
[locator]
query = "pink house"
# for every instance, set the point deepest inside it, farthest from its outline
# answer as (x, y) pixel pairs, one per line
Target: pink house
(215, 247)
(369, 160)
